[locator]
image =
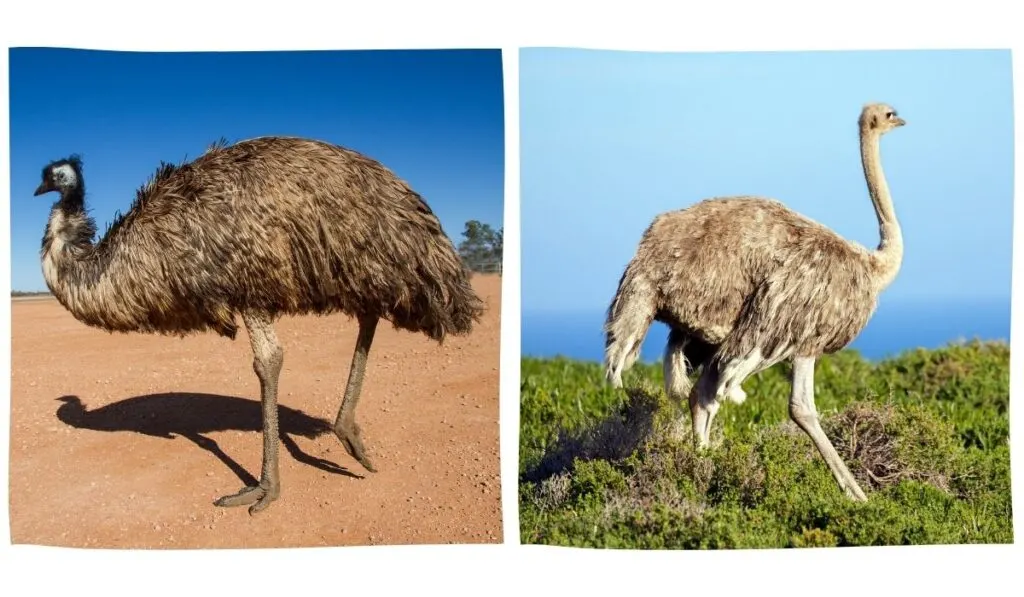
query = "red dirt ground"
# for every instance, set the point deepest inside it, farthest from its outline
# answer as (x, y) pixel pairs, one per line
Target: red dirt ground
(126, 440)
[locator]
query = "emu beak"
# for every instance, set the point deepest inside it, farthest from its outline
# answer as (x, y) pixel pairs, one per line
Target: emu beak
(42, 188)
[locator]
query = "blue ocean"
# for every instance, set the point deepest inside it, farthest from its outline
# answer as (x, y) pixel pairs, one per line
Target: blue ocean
(895, 328)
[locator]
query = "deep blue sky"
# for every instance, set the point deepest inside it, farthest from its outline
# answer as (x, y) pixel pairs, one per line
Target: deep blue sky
(433, 117)
(609, 139)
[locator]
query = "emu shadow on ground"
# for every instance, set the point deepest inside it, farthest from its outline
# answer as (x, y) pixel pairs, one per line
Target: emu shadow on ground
(613, 438)
(191, 415)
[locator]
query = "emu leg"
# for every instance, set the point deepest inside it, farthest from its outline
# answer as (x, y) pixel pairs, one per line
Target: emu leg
(267, 360)
(345, 425)
(804, 414)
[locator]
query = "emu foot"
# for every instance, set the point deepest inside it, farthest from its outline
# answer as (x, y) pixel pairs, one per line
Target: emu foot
(257, 498)
(349, 436)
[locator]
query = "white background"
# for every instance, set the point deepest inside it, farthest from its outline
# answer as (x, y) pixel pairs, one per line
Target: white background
(713, 25)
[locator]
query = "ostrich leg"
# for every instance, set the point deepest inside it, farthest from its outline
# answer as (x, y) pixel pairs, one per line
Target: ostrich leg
(721, 380)
(804, 414)
(676, 372)
(267, 361)
(345, 426)
(704, 403)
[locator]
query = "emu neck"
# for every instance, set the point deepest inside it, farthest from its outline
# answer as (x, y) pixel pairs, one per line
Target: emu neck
(72, 201)
(889, 255)
(66, 243)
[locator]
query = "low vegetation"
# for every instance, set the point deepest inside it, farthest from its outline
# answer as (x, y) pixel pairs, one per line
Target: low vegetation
(925, 433)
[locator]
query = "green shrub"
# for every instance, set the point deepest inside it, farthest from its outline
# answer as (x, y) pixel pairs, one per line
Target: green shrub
(925, 433)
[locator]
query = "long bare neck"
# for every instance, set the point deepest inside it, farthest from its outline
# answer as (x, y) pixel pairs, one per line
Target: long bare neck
(889, 255)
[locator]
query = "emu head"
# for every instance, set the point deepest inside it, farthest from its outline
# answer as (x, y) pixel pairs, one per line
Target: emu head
(63, 176)
(880, 118)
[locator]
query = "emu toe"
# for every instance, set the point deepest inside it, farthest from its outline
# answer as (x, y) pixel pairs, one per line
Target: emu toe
(349, 436)
(257, 498)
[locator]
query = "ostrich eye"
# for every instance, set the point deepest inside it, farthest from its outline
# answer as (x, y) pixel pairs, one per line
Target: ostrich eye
(890, 115)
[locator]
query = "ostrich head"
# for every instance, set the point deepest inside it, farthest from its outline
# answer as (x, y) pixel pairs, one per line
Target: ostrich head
(880, 118)
(63, 176)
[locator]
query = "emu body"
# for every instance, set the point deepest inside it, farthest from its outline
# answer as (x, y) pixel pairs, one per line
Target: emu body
(259, 229)
(745, 283)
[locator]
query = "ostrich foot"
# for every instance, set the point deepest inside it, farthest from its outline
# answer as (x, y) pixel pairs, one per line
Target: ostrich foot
(348, 433)
(855, 493)
(259, 497)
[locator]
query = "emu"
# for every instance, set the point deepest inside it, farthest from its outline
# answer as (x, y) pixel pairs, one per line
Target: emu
(744, 283)
(262, 228)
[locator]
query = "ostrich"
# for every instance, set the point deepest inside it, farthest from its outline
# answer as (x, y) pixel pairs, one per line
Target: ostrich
(262, 228)
(744, 283)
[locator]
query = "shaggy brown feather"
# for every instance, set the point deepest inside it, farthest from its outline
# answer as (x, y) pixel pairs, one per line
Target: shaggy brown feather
(261, 228)
(274, 225)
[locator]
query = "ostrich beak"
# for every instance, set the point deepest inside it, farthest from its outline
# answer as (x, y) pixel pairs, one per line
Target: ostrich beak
(900, 122)
(42, 188)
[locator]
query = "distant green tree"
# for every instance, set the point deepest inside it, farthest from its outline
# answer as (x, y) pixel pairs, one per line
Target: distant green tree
(499, 241)
(482, 246)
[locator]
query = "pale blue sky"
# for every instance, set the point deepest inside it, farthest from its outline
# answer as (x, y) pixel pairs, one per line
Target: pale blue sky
(609, 139)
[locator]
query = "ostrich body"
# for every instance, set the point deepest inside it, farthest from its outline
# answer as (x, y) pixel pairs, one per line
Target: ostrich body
(744, 283)
(262, 228)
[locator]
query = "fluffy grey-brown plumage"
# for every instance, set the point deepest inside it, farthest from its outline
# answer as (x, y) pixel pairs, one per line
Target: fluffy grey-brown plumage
(745, 283)
(258, 229)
